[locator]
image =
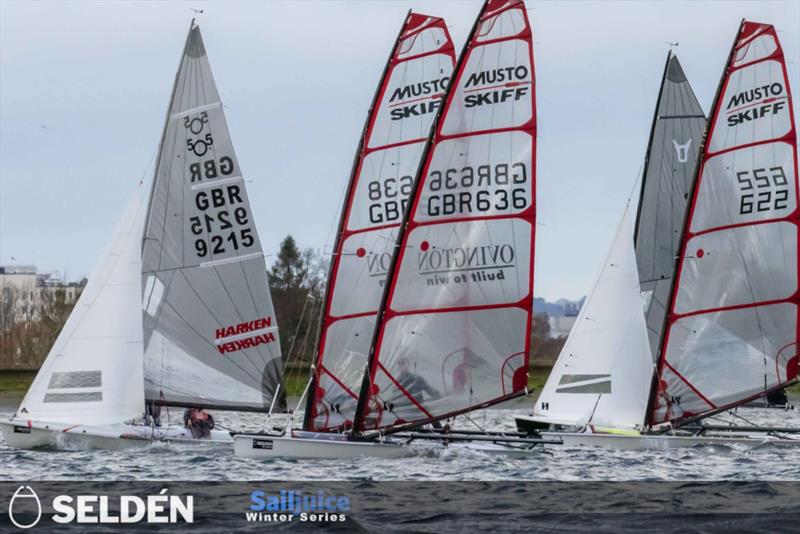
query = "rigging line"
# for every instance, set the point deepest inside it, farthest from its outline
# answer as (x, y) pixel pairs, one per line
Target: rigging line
(288, 426)
(156, 319)
(296, 332)
(734, 414)
(591, 416)
(479, 427)
(303, 349)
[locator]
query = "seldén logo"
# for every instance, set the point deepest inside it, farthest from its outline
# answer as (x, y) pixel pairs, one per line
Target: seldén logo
(290, 505)
(18, 508)
(101, 509)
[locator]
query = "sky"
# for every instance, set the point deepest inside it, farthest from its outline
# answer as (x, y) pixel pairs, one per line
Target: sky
(84, 89)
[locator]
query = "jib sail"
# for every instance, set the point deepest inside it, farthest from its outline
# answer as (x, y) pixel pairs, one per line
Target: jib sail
(209, 327)
(93, 372)
(670, 169)
(732, 331)
(408, 96)
(604, 371)
(455, 317)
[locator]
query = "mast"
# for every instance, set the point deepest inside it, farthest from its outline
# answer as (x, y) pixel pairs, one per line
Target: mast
(745, 332)
(511, 31)
(388, 155)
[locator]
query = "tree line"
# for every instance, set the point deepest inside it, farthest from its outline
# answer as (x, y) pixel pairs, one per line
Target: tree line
(297, 281)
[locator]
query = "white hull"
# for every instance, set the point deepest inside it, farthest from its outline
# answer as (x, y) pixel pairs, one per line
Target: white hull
(661, 441)
(265, 446)
(24, 435)
(307, 445)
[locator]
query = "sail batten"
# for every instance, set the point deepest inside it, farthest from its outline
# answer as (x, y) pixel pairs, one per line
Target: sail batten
(455, 318)
(405, 102)
(209, 325)
(733, 337)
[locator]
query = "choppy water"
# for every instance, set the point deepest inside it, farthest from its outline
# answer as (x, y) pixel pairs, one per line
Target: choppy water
(175, 462)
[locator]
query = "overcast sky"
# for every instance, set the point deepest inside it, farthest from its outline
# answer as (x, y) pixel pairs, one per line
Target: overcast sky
(84, 89)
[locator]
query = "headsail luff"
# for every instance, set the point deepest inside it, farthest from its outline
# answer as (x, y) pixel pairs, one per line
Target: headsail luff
(209, 326)
(406, 100)
(733, 325)
(670, 168)
(455, 318)
(93, 372)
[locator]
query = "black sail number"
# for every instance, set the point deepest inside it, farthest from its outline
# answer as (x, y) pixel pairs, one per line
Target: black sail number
(388, 199)
(222, 222)
(762, 190)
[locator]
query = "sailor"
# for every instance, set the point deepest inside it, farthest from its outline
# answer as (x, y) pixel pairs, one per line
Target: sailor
(199, 422)
(152, 413)
(414, 384)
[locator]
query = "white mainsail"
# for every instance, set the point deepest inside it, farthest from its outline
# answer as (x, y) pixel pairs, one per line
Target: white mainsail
(603, 374)
(209, 326)
(93, 373)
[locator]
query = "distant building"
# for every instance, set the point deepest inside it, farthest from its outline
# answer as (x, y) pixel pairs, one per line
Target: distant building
(22, 289)
(561, 326)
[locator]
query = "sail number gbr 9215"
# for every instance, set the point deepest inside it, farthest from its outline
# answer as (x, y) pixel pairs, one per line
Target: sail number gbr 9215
(223, 218)
(762, 190)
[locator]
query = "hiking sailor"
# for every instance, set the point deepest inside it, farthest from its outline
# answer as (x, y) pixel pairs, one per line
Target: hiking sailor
(199, 422)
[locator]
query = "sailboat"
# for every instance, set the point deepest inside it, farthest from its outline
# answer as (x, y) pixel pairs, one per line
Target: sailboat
(388, 156)
(664, 343)
(178, 311)
(452, 328)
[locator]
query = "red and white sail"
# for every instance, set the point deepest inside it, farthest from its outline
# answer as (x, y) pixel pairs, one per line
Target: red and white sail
(732, 330)
(455, 321)
(399, 123)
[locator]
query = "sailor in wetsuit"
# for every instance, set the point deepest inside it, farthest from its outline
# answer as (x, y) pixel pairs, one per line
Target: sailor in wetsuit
(199, 422)
(413, 383)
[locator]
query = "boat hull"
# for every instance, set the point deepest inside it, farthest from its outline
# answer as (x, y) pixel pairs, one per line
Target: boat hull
(662, 442)
(633, 441)
(25, 435)
(266, 446)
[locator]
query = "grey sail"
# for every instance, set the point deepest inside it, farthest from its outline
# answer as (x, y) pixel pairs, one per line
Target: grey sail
(675, 141)
(210, 333)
